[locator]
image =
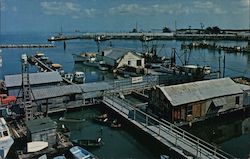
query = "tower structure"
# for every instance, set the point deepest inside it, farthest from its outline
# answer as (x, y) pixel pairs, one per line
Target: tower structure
(26, 90)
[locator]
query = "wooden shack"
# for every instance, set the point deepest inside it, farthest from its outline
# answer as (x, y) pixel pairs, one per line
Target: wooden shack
(119, 57)
(186, 102)
(42, 130)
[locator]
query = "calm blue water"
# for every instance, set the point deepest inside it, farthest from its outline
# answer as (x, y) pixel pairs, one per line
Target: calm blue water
(236, 65)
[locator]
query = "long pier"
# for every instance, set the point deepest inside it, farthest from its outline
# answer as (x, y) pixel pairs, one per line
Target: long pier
(182, 142)
(150, 36)
(27, 46)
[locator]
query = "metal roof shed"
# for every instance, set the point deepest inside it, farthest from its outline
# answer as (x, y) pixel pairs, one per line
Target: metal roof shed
(35, 79)
(201, 90)
(39, 125)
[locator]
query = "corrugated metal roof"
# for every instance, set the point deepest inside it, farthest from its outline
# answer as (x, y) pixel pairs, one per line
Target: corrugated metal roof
(219, 102)
(202, 90)
(57, 91)
(96, 86)
(38, 125)
(35, 78)
(116, 53)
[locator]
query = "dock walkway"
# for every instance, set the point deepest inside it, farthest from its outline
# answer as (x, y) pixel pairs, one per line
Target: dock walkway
(182, 142)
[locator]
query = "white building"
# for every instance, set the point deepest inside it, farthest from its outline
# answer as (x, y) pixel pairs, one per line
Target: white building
(117, 57)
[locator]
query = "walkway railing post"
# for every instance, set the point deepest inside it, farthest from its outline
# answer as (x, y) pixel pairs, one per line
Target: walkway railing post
(159, 133)
(197, 148)
(146, 120)
(134, 113)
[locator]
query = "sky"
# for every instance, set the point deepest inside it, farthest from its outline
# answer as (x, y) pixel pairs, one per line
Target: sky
(121, 15)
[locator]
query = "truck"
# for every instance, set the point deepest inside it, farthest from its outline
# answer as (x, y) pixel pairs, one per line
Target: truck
(7, 100)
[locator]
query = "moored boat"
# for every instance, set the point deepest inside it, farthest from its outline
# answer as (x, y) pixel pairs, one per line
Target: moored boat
(71, 119)
(36, 146)
(6, 140)
(80, 153)
(89, 142)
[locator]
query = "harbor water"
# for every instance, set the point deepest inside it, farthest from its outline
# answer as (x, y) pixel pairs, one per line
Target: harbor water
(121, 144)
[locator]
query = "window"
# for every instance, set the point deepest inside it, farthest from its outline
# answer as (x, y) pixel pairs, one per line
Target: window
(5, 133)
(72, 97)
(129, 63)
(138, 62)
(189, 110)
(237, 100)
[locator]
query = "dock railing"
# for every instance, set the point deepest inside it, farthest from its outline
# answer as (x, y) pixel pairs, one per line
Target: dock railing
(169, 133)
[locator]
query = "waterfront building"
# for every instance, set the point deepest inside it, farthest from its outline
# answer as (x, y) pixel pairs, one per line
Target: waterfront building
(41, 79)
(43, 129)
(197, 100)
(118, 57)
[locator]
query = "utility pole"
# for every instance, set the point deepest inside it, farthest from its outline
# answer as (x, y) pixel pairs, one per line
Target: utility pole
(219, 64)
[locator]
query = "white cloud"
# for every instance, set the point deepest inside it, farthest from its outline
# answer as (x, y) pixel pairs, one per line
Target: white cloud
(133, 9)
(3, 7)
(244, 3)
(14, 9)
(90, 12)
(207, 7)
(66, 8)
(59, 8)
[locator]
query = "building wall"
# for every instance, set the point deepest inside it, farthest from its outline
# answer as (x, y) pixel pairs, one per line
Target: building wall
(246, 99)
(133, 61)
(47, 136)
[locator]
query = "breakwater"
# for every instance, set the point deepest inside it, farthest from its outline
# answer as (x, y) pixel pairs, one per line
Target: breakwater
(151, 36)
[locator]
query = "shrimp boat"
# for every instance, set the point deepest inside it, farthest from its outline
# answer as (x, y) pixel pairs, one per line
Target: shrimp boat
(6, 140)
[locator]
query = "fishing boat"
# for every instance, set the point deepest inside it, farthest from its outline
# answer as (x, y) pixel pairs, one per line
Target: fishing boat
(80, 153)
(102, 118)
(89, 142)
(115, 124)
(6, 140)
(82, 57)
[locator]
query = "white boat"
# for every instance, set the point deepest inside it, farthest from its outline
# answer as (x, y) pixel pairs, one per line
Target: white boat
(164, 157)
(59, 157)
(79, 77)
(36, 146)
(81, 153)
(6, 140)
(103, 66)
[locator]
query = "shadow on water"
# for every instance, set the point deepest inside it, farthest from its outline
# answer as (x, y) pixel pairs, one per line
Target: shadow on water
(125, 142)
(231, 135)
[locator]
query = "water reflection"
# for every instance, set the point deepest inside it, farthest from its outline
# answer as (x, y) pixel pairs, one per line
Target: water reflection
(231, 136)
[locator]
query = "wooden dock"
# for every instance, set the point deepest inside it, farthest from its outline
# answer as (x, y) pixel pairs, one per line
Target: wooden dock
(182, 142)
(27, 46)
